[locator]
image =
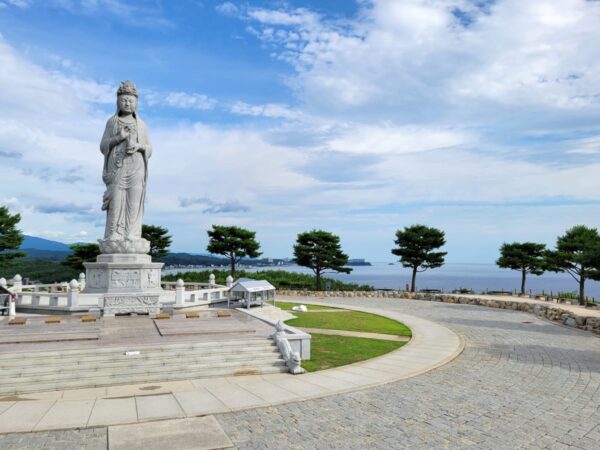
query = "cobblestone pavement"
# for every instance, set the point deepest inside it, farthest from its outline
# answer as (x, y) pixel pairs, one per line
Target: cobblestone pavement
(521, 382)
(86, 439)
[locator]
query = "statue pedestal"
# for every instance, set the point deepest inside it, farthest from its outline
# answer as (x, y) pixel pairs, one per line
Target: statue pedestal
(130, 282)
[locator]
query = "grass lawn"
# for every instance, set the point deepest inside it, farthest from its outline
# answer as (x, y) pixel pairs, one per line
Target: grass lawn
(288, 306)
(332, 351)
(350, 321)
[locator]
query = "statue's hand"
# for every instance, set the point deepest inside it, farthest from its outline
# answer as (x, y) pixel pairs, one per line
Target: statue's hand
(135, 148)
(123, 134)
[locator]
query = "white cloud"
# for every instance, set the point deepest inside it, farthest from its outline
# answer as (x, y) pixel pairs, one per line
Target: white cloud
(413, 59)
(272, 110)
(134, 14)
(189, 101)
(19, 3)
(227, 8)
(181, 100)
(587, 146)
(365, 139)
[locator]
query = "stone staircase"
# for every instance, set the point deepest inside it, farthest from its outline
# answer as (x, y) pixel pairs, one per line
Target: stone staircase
(85, 368)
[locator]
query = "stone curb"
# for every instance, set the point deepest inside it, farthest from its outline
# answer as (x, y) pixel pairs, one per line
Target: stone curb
(432, 345)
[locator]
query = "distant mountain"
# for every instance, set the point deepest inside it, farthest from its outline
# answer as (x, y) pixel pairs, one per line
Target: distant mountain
(37, 243)
(46, 255)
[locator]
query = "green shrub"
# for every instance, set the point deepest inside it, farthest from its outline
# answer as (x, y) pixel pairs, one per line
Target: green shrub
(573, 296)
(278, 278)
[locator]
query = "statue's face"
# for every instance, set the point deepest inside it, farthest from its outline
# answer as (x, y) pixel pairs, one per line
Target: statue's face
(127, 103)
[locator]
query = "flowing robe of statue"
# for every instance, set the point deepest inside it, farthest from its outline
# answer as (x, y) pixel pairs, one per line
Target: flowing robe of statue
(125, 174)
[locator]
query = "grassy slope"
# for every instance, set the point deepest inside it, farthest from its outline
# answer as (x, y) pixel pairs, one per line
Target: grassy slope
(333, 351)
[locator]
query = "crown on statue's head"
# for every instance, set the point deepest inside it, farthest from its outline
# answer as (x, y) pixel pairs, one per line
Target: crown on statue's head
(127, 88)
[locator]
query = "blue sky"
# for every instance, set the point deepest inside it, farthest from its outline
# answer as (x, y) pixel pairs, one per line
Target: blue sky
(359, 117)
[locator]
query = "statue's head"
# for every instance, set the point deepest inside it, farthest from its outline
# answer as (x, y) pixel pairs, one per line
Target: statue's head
(127, 98)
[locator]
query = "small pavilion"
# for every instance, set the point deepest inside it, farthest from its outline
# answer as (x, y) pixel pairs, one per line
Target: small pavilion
(251, 292)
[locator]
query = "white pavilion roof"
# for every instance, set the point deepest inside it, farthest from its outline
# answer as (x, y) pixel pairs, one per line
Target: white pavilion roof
(248, 285)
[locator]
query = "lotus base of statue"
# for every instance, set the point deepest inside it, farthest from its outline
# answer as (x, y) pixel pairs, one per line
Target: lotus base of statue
(110, 246)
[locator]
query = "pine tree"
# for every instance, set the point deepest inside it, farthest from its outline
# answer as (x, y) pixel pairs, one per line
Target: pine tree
(10, 237)
(320, 251)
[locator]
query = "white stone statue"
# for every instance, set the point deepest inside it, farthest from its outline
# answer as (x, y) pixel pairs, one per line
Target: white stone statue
(124, 272)
(126, 148)
(292, 358)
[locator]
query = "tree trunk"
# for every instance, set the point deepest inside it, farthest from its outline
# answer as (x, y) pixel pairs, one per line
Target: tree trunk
(318, 276)
(523, 277)
(413, 283)
(232, 260)
(582, 291)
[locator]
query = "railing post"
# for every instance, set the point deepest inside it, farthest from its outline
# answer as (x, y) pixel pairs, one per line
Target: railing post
(229, 281)
(211, 280)
(17, 284)
(179, 293)
(73, 294)
(12, 306)
(3, 283)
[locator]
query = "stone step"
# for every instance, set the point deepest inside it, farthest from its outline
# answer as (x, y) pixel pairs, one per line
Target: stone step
(143, 378)
(82, 352)
(50, 337)
(91, 367)
(92, 358)
(134, 365)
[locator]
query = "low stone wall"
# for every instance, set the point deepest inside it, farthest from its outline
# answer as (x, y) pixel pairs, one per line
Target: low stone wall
(550, 311)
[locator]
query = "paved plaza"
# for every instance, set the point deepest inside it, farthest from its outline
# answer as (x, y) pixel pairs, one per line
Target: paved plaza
(521, 382)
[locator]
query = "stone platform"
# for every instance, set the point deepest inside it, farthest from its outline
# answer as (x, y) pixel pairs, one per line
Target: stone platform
(129, 331)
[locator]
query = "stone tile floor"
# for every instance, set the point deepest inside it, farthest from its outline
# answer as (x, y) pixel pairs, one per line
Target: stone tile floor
(521, 382)
(516, 385)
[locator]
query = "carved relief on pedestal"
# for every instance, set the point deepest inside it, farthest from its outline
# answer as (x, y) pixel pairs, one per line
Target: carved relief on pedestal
(124, 304)
(96, 278)
(125, 278)
(151, 279)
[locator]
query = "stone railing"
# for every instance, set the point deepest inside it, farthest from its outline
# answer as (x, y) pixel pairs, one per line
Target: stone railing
(188, 294)
(34, 296)
(551, 311)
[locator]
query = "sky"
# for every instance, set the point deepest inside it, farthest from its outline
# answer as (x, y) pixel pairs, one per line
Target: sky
(478, 117)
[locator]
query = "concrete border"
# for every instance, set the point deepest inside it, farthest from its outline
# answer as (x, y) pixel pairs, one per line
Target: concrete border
(431, 346)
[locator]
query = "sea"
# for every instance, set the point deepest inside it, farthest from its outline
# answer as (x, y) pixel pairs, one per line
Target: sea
(477, 277)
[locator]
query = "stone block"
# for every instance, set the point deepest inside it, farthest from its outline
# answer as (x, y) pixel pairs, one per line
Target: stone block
(162, 316)
(53, 319)
(88, 318)
(17, 321)
(192, 315)
(223, 314)
(570, 322)
(200, 433)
